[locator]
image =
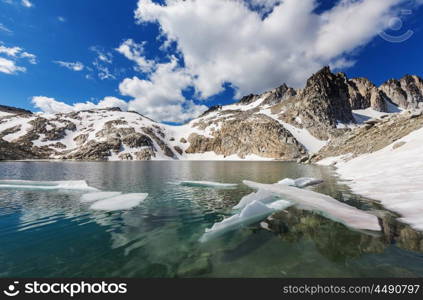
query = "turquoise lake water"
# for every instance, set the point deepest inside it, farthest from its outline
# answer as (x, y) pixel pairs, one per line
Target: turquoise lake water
(52, 234)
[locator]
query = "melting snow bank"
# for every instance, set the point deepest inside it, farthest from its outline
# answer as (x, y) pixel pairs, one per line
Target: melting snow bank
(208, 184)
(251, 213)
(322, 204)
(46, 185)
(301, 182)
(120, 202)
(393, 175)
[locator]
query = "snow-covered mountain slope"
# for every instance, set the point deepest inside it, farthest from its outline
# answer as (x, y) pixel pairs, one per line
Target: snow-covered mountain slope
(283, 124)
(392, 175)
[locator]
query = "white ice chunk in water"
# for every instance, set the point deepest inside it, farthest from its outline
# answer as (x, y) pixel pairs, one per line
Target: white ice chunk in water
(254, 207)
(46, 185)
(301, 182)
(121, 202)
(92, 197)
(261, 195)
(322, 204)
(208, 184)
(253, 212)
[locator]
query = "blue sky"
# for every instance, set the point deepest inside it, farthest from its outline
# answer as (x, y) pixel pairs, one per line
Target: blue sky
(172, 61)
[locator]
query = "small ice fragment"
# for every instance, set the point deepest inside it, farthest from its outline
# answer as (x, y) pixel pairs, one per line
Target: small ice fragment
(322, 204)
(300, 182)
(208, 184)
(252, 212)
(121, 202)
(288, 181)
(46, 185)
(92, 197)
(260, 195)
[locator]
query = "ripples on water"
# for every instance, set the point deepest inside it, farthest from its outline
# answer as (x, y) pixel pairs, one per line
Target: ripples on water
(51, 233)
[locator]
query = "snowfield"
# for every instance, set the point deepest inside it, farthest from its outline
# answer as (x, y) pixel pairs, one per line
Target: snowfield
(393, 175)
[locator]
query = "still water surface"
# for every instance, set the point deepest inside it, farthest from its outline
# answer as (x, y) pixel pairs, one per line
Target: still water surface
(52, 234)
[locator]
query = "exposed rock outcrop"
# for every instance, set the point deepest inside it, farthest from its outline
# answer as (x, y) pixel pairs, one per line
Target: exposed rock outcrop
(407, 92)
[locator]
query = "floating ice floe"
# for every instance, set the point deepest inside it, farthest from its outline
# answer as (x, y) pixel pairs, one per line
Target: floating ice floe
(92, 197)
(251, 213)
(46, 185)
(208, 184)
(301, 182)
(322, 204)
(261, 195)
(120, 202)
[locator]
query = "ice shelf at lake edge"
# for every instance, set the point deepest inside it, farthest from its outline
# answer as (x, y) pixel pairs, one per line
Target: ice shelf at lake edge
(393, 175)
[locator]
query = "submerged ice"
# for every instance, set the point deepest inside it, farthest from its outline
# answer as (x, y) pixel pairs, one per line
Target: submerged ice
(301, 182)
(92, 197)
(208, 184)
(322, 204)
(251, 213)
(120, 202)
(46, 185)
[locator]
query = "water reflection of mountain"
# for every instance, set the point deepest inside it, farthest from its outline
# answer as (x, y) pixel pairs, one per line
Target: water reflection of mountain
(337, 242)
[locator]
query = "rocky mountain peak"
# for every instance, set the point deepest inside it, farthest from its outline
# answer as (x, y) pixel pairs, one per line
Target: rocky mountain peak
(326, 97)
(407, 92)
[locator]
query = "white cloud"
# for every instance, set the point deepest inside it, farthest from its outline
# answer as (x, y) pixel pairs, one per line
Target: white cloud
(102, 55)
(160, 96)
(9, 66)
(15, 54)
(74, 66)
(10, 51)
(51, 105)
(27, 3)
(135, 52)
(101, 66)
(225, 41)
(31, 57)
(103, 72)
(5, 29)
(61, 19)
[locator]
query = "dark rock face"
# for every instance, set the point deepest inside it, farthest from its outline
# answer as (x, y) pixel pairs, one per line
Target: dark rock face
(256, 134)
(211, 109)
(326, 96)
(407, 92)
(364, 94)
(10, 151)
(320, 106)
(14, 110)
(279, 94)
(136, 140)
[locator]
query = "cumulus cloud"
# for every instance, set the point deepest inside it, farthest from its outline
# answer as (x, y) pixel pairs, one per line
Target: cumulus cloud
(135, 52)
(225, 41)
(161, 96)
(52, 106)
(9, 66)
(74, 66)
(14, 54)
